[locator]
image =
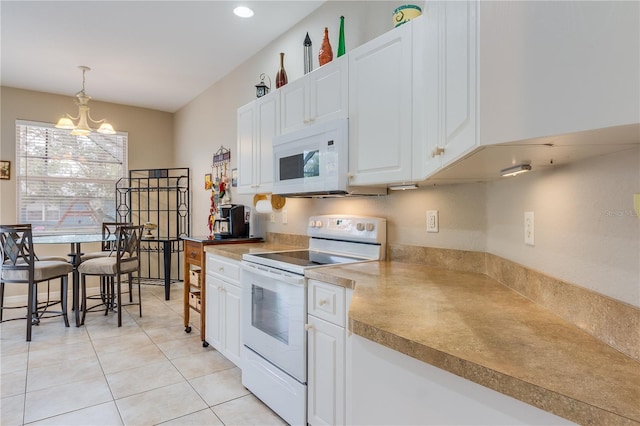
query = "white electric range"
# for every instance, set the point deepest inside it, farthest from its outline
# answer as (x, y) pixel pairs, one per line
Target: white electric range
(274, 306)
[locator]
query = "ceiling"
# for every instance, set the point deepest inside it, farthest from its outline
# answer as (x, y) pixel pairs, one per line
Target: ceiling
(151, 54)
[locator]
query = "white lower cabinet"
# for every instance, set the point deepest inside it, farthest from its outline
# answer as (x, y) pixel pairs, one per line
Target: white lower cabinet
(325, 374)
(223, 313)
(388, 387)
(326, 394)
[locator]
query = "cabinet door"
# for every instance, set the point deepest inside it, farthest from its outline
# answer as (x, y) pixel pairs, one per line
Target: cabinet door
(380, 108)
(213, 329)
(316, 97)
(268, 125)
(326, 374)
(232, 323)
(295, 105)
(246, 146)
(460, 79)
(445, 74)
(328, 91)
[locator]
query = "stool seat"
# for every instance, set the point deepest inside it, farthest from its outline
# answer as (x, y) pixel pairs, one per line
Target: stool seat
(43, 270)
(107, 265)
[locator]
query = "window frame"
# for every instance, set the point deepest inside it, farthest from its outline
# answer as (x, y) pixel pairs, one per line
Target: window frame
(65, 172)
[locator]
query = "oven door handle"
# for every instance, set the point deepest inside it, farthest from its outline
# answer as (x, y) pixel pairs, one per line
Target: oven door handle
(274, 274)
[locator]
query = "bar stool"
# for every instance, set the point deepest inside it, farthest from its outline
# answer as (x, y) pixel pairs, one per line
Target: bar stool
(108, 246)
(108, 240)
(20, 265)
(125, 259)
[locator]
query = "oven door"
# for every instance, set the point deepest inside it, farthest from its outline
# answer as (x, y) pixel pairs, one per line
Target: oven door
(273, 317)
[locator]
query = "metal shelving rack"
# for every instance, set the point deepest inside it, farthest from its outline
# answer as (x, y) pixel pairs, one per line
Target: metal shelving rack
(159, 196)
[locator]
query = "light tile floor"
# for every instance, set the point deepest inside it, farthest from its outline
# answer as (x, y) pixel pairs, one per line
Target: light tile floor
(147, 372)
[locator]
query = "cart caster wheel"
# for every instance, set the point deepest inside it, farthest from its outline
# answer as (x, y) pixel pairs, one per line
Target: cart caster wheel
(204, 344)
(187, 329)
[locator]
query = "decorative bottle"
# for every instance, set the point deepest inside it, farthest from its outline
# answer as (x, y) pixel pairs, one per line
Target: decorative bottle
(281, 75)
(325, 54)
(341, 48)
(308, 62)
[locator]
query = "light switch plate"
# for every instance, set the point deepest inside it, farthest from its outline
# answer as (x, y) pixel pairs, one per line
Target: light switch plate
(432, 220)
(529, 229)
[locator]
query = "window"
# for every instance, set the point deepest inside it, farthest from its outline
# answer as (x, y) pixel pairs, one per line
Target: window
(67, 183)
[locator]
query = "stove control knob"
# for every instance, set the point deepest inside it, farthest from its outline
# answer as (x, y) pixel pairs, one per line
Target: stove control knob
(312, 223)
(318, 224)
(370, 227)
(360, 226)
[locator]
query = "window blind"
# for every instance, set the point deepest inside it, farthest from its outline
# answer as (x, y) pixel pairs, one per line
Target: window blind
(66, 184)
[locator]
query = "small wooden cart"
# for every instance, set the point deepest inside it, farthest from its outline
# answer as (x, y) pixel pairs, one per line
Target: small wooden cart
(195, 270)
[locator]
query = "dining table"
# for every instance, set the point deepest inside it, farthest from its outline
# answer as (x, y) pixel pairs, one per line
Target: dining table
(75, 241)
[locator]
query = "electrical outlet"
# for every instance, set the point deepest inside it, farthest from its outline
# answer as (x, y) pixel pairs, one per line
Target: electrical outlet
(528, 229)
(432, 220)
(273, 218)
(284, 217)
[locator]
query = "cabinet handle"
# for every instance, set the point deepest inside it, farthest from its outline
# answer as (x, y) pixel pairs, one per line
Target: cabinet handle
(221, 269)
(323, 302)
(437, 151)
(308, 327)
(193, 254)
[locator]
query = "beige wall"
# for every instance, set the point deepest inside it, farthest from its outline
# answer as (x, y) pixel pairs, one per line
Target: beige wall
(150, 142)
(209, 121)
(586, 230)
(150, 132)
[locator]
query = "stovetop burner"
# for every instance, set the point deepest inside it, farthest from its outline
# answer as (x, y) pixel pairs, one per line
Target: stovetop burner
(335, 239)
(308, 257)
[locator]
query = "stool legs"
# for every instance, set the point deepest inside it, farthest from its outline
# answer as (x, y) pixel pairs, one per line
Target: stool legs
(64, 287)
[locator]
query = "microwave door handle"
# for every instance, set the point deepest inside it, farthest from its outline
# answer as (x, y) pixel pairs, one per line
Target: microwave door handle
(274, 274)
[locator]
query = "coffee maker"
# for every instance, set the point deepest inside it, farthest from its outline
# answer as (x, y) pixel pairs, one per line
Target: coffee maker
(232, 222)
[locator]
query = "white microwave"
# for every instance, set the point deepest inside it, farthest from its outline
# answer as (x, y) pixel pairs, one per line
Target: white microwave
(314, 162)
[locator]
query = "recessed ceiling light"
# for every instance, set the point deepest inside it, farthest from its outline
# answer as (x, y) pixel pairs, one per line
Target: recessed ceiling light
(243, 12)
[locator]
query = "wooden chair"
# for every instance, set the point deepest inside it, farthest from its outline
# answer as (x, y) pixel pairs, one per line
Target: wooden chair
(20, 265)
(123, 260)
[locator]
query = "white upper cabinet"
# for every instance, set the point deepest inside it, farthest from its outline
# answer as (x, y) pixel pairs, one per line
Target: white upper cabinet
(380, 110)
(445, 82)
(551, 68)
(258, 123)
(501, 83)
(317, 97)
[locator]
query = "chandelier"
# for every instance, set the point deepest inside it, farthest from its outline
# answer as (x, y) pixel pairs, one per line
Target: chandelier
(82, 127)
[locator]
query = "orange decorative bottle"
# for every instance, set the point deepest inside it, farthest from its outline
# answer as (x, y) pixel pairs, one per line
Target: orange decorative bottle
(281, 75)
(325, 54)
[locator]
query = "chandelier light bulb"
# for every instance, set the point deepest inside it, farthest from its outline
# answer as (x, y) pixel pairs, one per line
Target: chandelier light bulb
(82, 127)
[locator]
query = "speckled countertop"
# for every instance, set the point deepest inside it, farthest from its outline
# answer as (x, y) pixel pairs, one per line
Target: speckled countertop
(235, 251)
(471, 325)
